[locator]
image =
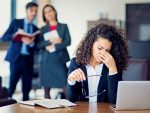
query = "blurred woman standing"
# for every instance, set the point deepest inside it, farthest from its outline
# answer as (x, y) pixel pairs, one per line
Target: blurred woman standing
(53, 52)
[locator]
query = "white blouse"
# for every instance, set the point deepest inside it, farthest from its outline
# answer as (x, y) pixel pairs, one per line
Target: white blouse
(93, 81)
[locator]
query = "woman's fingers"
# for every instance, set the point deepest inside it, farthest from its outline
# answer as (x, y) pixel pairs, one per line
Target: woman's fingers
(102, 59)
(57, 40)
(107, 59)
(77, 75)
(71, 78)
(82, 73)
(105, 56)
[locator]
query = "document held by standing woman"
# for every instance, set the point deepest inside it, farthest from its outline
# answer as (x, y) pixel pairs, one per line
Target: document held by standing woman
(51, 35)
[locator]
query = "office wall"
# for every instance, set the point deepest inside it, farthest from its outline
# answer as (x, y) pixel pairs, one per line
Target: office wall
(4, 15)
(76, 13)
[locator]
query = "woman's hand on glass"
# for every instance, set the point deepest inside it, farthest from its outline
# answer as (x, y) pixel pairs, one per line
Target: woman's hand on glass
(77, 75)
(109, 61)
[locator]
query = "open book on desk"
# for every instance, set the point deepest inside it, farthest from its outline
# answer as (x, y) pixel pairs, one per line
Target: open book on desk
(49, 103)
(21, 33)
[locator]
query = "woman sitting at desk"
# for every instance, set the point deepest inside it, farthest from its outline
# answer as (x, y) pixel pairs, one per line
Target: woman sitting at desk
(100, 60)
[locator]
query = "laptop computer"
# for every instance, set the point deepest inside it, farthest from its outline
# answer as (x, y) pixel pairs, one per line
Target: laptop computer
(133, 95)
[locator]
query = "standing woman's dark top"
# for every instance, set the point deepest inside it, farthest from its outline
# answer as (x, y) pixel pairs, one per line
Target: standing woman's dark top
(53, 53)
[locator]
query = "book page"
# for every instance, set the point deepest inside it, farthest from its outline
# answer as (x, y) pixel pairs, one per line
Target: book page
(21, 32)
(64, 102)
(30, 102)
(36, 33)
(49, 103)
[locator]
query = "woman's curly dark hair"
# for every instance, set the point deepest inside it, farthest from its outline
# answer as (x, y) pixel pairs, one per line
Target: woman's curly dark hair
(119, 49)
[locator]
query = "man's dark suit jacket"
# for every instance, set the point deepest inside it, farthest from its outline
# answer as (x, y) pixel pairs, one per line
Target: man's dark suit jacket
(107, 82)
(14, 49)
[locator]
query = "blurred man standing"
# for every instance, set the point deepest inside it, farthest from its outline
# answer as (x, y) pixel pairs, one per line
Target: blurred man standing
(20, 53)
